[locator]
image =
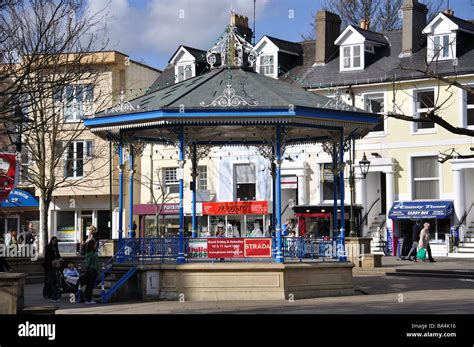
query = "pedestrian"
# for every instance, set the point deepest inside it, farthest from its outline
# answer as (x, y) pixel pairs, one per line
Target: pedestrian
(286, 228)
(425, 237)
(92, 266)
(415, 237)
(93, 233)
(424, 242)
(134, 229)
(26, 237)
(7, 238)
(14, 239)
(220, 231)
(4, 267)
(51, 254)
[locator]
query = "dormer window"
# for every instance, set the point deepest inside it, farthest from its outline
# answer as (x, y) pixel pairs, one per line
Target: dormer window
(443, 33)
(351, 57)
(183, 72)
(441, 47)
(186, 61)
(355, 44)
(267, 65)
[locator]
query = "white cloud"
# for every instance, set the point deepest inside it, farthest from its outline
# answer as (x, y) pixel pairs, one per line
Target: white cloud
(158, 27)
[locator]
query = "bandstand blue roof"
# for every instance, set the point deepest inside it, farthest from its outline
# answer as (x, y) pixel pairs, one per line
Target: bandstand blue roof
(234, 105)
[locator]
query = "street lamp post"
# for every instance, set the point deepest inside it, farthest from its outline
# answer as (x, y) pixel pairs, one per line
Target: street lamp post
(14, 128)
(364, 165)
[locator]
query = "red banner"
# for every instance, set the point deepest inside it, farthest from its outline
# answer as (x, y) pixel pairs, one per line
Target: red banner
(258, 248)
(221, 247)
(235, 207)
(7, 174)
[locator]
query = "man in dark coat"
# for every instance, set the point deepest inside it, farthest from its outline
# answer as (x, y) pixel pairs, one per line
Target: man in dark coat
(415, 237)
(51, 254)
(4, 267)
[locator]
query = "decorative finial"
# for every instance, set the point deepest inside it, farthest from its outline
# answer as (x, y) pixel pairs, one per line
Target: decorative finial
(122, 105)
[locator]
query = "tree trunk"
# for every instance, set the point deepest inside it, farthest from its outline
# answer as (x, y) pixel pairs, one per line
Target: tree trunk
(44, 214)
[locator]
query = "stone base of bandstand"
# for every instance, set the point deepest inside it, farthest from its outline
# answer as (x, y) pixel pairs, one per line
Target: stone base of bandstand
(12, 288)
(244, 281)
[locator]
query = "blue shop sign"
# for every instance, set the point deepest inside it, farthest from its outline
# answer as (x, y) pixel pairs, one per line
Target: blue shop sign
(438, 209)
(19, 198)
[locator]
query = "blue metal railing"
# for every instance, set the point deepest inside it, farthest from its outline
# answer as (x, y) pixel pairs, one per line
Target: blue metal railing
(300, 248)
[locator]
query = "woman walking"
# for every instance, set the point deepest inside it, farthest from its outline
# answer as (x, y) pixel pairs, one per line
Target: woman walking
(92, 267)
(51, 254)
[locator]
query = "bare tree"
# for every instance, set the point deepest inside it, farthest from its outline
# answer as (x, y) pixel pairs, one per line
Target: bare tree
(49, 70)
(446, 81)
(383, 15)
(159, 194)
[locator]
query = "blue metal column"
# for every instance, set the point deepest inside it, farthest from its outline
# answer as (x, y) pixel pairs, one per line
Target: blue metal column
(131, 163)
(181, 259)
(273, 174)
(342, 253)
(334, 197)
(120, 220)
(279, 255)
(194, 175)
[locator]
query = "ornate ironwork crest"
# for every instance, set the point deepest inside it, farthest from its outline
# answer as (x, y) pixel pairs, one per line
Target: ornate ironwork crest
(337, 103)
(123, 105)
(229, 99)
(232, 41)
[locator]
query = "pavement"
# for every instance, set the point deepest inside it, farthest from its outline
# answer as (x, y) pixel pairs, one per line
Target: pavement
(375, 293)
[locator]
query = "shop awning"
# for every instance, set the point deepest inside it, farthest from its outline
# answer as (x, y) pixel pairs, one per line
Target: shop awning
(19, 198)
(312, 215)
(438, 209)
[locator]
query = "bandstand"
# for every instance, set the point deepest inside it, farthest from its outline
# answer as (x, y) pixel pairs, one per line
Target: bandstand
(231, 105)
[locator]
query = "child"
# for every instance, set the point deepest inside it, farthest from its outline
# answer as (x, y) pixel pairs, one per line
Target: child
(71, 274)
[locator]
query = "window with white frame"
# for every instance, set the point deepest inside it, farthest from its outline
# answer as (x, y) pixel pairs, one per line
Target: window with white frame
(77, 100)
(425, 171)
(351, 57)
(375, 103)
(171, 180)
(245, 182)
(183, 72)
(202, 178)
(469, 109)
(267, 64)
(425, 100)
(441, 47)
(327, 182)
(75, 156)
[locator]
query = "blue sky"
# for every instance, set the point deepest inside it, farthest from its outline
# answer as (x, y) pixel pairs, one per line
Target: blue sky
(149, 31)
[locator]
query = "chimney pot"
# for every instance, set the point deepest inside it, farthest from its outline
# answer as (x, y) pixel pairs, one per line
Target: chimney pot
(242, 24)
(364, 24)
(448, 12)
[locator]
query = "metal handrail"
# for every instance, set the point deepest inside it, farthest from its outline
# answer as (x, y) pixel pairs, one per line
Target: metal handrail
(463, 218)
(363, 220)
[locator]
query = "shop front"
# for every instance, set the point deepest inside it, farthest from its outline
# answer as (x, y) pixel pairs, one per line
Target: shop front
(317, 220)
(158, 220)
(239, 218)
(17, 211)
(70, 219)
(404, 214)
